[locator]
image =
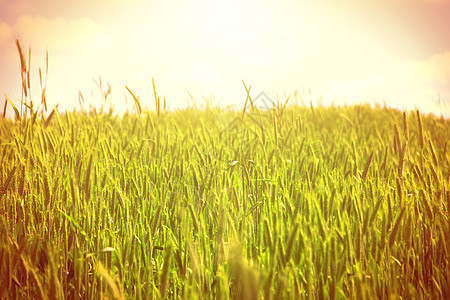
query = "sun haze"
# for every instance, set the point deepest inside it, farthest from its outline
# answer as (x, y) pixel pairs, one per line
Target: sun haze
(395, 52)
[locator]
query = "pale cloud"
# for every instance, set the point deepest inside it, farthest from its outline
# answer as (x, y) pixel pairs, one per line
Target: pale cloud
(209, 46)
(406, 2)
(436, 69)
(199, 71)
(59, 33)
(5, 33)
(409, 85)
(79, 50)
(428, 1)
(431, 76)
(12, 9)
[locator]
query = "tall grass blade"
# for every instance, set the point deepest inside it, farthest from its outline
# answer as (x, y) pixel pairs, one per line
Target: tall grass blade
(49, 118)
(137, 103)
(366, 168)
(16, 111)
(396, 227)
(7, 182)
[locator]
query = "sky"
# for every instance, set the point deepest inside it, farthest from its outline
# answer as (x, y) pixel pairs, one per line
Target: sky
(329, 52)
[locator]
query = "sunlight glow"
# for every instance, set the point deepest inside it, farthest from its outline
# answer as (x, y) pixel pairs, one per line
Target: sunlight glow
(339, 50)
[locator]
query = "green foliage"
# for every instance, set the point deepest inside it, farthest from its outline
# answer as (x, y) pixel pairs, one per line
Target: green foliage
(289, 203)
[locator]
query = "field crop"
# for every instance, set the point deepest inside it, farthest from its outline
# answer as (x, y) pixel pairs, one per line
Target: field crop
(290, 203)
(287, 203)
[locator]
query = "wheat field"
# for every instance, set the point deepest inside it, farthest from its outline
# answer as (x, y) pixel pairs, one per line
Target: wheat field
(287, 203)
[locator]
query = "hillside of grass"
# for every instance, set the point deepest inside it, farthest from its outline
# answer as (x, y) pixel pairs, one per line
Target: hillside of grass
(290, 203)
